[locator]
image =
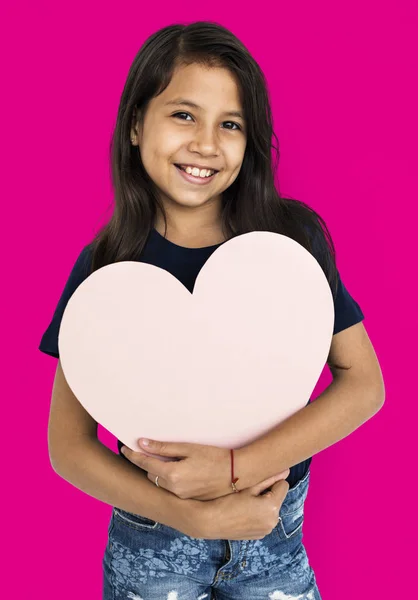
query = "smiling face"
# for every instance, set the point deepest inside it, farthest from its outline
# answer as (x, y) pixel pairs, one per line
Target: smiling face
(206, 136)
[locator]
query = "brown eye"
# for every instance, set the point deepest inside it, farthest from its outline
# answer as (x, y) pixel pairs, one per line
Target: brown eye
(185, 113)
(182, 113)
(232, 123)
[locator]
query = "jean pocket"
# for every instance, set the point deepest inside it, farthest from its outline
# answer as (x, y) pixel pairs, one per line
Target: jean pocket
(292, 511)
(133, 520)
(290, 524)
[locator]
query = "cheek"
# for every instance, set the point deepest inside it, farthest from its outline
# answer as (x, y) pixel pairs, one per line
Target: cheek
(235, 154)
(160, 145)
(235, 166)
(155, 162)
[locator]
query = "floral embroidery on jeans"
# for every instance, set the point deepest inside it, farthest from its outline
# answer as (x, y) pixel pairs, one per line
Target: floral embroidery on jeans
(259, 557)
(184, 557)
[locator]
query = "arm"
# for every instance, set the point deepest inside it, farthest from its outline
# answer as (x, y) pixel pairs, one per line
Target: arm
(356, 393)
(81, 459)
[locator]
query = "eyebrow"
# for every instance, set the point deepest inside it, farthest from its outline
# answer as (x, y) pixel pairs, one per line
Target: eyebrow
(185, 102)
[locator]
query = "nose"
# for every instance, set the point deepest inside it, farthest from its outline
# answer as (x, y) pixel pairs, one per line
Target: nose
(205, 141)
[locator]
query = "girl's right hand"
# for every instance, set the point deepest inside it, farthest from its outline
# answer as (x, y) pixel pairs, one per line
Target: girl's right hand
(248, 515)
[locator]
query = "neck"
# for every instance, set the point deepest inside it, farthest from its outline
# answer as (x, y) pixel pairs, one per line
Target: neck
(192, 231)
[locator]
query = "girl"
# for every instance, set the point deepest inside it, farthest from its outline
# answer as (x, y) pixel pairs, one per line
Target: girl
(191, 168)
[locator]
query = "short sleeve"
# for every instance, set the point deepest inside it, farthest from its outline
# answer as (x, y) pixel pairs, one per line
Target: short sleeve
(79, 272)
(347, 312)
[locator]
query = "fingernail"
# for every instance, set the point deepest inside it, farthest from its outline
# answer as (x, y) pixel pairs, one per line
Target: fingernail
(145, 442)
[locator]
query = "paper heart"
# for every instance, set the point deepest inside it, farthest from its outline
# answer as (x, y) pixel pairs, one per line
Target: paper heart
(220, 366)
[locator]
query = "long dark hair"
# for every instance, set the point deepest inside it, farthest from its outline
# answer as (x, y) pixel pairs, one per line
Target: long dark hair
(252, 202)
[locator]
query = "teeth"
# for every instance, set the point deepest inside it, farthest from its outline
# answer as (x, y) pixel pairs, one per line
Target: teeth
(196, 172)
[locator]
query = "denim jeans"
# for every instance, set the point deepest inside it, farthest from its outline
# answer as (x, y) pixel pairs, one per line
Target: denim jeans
(146, 560)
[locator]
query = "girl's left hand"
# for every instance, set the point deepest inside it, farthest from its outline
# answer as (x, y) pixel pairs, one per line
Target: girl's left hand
(201, 472)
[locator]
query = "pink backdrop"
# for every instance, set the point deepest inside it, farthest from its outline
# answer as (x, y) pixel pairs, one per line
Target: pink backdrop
(344, 102)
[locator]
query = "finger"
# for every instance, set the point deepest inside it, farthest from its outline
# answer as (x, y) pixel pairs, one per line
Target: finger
(279, 490)
(148, 463)
(153, 476)
(172, 449)
(283, 474)
(263, 485)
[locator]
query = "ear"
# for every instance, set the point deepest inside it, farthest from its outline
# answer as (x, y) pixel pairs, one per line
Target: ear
(135, 124)
(135, 121)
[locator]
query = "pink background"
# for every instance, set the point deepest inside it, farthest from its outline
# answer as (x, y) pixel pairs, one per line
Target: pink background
(344, 103)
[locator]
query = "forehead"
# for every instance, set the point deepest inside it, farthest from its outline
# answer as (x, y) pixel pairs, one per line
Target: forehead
(206, 87)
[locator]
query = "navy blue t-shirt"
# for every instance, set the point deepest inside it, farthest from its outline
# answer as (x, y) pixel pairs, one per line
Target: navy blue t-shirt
(184, 264)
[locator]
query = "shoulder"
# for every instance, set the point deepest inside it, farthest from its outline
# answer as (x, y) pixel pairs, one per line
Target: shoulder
(320, 244)
(84, 257)
(310, 227)
(82, 264)
(323, 250)
(79, 272)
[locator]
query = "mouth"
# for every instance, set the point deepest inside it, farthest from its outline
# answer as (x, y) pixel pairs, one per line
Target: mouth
(196, 180)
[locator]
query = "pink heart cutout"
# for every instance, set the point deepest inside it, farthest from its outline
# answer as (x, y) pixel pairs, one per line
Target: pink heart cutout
(220, 366)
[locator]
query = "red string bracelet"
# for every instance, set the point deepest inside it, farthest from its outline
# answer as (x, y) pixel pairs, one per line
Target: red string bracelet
(233, 479)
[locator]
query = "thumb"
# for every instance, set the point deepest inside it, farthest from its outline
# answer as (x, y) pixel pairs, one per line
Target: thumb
(173, 449)
(257, 489)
